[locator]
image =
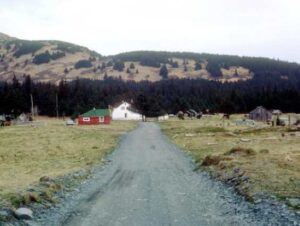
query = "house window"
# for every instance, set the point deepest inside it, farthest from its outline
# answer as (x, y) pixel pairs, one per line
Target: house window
(101, 119)
(123, 108)
(86, 119)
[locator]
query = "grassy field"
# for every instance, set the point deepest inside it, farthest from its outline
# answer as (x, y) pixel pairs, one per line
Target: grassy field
(268, 156)
(52, 149)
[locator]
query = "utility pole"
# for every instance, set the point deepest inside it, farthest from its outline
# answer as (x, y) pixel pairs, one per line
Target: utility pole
(56, 106)
(32, 110)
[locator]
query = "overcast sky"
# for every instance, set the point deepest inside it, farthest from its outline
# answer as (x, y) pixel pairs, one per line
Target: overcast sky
(269, 28)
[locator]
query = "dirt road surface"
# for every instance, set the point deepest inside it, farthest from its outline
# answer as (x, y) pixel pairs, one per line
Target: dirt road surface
(149, 182)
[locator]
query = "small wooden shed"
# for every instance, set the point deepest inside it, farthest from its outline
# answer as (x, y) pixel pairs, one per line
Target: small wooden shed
(95, 117)
(260, 114)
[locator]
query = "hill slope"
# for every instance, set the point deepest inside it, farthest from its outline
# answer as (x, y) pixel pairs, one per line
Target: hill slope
(51, 61)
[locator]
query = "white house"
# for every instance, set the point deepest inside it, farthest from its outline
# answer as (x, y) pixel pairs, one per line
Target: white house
(125, 112)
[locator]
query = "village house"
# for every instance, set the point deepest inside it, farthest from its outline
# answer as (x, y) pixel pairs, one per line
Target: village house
(260, 114)
(276, 112)
(95, 117)
(124, 111)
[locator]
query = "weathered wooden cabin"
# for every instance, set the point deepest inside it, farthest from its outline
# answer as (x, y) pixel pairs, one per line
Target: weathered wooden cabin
(260, 114)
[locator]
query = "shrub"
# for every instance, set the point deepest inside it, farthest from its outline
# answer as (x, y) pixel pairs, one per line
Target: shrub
(197, 66)
(57, 55)
(109, 64)
(119, 66)
(240, 151)
(83, 64)
(174, 64)
(211, 160)
(132, 66)
(42, 58)
(46, 57)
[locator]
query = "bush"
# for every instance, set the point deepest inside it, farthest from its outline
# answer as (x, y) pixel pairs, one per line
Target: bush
(83, 64)
(174, 64)
(132, 66)
(211, 160)
(119, 66)
(240, 151)
(46, 57)
(57, 55)
(109, 64)
(197, 66)
(42, 58)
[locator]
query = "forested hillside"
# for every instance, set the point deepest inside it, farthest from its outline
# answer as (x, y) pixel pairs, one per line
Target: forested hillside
(153, 98)
(213, 63)
(156, 82)
(52, 61)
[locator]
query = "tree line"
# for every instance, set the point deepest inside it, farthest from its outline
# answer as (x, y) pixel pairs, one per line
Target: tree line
(152, 98)
(214, 62)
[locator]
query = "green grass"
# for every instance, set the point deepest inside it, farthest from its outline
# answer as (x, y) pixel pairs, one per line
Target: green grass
(53, 149)
(269, 159)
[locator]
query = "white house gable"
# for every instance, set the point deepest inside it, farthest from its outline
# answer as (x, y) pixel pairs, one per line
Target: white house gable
(122, 112)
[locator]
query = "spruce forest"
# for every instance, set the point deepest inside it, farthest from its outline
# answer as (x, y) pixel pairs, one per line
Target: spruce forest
(153, 98)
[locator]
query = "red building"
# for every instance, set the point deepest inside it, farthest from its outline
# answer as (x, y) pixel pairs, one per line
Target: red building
(94, 117)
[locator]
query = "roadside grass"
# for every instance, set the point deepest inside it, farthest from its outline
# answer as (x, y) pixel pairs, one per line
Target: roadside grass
(51, 149)
(269, 156)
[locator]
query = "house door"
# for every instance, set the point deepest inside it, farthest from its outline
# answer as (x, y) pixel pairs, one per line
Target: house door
(101, 119)
(125, 115)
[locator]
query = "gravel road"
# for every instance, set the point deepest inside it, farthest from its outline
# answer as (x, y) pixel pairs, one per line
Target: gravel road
(150, 182)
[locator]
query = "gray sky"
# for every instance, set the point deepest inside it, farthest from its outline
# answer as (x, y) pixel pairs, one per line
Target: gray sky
(269, 28)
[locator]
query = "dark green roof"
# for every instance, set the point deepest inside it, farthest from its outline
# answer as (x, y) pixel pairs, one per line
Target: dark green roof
(96, 112)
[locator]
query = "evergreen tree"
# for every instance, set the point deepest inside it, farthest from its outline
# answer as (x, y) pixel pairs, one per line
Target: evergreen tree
(164, 72)
(103, 66)
(236, 74)
(174, 64)
(198, 66)
(132, 66)
(119, 66)
(109, 64)
(185, 68)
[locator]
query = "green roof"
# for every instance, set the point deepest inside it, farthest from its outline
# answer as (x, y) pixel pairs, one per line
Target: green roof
(96, 112)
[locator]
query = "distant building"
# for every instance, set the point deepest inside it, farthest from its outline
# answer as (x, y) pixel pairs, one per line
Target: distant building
(94, 117)
(276, 112)
(124, 111)
(260, 114)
